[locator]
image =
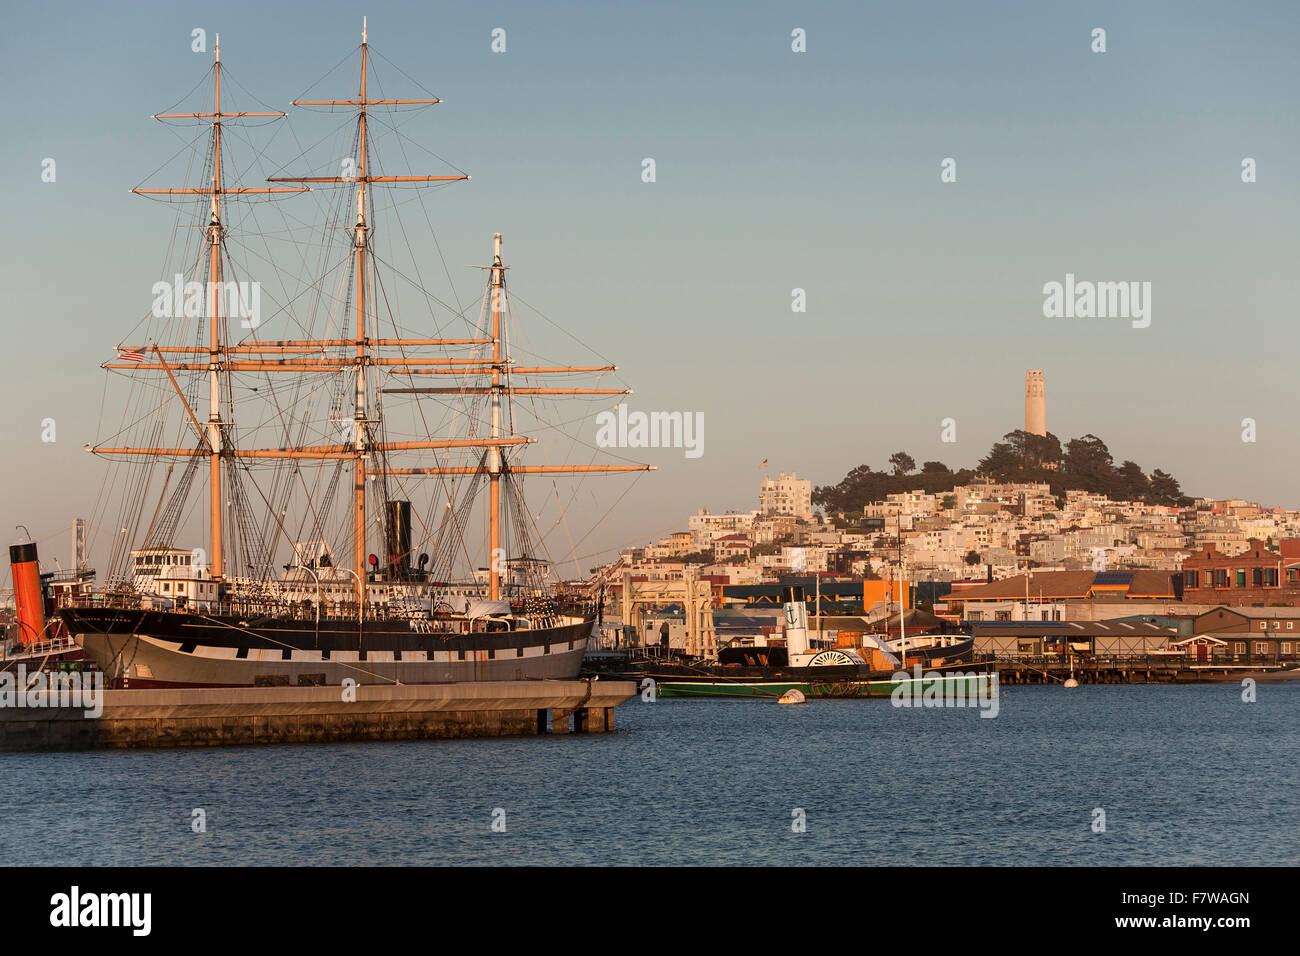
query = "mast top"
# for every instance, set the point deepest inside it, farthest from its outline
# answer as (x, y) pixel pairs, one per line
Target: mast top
(218, 48)
(363, 29)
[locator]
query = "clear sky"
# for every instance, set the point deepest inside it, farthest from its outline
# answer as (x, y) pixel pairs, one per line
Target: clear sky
(775, 170)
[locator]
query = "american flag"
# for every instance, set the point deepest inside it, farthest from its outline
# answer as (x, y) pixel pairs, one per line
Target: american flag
(130, 355)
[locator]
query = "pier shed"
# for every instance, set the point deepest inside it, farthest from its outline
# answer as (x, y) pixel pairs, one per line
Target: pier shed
(1009, 639)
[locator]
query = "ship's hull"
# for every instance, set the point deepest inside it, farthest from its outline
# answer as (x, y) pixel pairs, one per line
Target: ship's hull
(167, 649)
(970, 684)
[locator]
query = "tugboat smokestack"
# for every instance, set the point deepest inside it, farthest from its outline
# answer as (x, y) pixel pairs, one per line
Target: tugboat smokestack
(28, 596)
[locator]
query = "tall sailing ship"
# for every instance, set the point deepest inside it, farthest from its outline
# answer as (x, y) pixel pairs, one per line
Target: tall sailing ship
(233, 612)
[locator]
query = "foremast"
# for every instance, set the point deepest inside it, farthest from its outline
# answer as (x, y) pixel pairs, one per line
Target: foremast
(212, 437)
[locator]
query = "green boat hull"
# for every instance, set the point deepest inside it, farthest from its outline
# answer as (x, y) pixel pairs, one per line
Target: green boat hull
(968, 685)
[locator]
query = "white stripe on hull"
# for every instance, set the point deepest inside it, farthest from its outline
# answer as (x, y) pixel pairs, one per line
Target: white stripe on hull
(147, 658)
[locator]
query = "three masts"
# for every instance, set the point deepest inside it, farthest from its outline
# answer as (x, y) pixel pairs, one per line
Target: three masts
(489, 373)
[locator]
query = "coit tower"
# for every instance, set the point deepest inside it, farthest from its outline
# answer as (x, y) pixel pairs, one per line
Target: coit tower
(1035, 402)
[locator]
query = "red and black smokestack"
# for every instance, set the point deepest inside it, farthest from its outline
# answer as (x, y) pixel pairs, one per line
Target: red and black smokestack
(29, 596)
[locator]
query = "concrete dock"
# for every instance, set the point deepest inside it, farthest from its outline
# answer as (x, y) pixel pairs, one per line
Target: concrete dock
(204, 717)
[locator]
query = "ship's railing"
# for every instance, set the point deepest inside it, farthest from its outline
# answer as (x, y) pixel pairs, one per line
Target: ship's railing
(541, 612)
(294, 610)
(58, 645)
(101, 599)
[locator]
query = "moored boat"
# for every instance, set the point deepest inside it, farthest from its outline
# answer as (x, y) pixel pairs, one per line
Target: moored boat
(773, 670)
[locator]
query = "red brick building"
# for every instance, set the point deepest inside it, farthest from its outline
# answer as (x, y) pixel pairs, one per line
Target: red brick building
(1258, 577)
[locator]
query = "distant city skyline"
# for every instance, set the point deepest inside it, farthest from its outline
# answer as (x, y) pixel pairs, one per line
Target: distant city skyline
(903, 173)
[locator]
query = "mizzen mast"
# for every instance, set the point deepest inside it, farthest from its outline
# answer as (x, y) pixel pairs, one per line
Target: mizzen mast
(500, 389)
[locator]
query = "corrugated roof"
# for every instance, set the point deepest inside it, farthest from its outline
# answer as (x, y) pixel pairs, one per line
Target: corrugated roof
(1142, 582)
(1068, 628)
(1258, 612)
(1050, 584)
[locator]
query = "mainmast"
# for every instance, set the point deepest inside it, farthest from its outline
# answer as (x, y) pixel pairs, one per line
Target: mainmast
(494, 453)
(359, 427)
(214, 332)
(363, 358)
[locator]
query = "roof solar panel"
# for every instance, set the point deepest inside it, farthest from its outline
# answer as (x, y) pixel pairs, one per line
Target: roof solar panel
(1112, 578)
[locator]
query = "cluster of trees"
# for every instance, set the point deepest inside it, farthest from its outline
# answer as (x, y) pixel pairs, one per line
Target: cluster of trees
(697, 557)
(1082, 464)
(863, 484)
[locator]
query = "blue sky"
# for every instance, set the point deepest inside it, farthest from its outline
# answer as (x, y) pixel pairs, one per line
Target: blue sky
(775, 170)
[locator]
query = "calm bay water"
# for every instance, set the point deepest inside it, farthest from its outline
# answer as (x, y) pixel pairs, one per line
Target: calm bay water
(1186, 775)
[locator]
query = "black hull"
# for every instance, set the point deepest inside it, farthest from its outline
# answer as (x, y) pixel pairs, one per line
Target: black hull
(712, 673)
(962, 652)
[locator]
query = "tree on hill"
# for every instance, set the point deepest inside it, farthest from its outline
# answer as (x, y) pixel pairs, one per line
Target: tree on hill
(1165, 490)
(902, 463)
(1133, 483)
(1089, 465)
(1021, 456)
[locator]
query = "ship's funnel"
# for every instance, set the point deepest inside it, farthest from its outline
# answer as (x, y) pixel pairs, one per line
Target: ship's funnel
(397, 540)
(796, 621)
(29, 599)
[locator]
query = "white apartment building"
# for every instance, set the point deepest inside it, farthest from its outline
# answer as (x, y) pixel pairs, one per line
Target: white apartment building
(785, 495)
(705, 526)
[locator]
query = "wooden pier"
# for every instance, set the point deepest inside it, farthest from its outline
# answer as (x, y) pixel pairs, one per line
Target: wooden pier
(1137, 669)
(203, 717)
